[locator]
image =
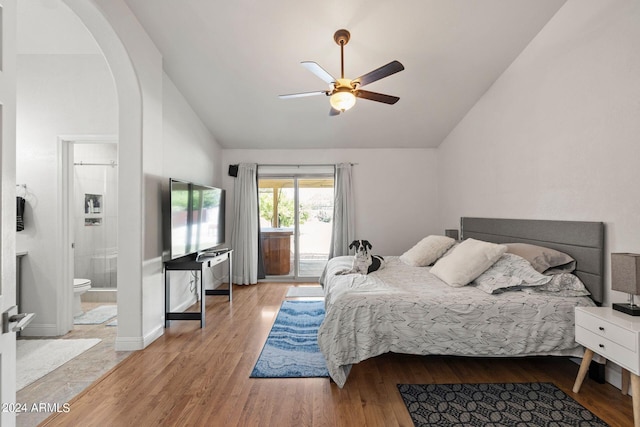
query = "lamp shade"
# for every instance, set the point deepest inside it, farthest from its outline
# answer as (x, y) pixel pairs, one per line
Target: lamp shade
(625, 273)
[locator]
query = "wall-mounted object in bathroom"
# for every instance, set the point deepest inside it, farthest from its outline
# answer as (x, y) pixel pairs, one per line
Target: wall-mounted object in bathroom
(92, 203)
(92, 222)
(20, 203)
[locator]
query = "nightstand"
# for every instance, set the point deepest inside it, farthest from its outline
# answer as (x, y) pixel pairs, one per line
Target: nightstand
(616, 337)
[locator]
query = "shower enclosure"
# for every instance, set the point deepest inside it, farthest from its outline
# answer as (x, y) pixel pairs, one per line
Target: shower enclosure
(95, 218)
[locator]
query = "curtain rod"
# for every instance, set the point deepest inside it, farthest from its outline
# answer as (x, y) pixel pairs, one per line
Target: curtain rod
(302, 165)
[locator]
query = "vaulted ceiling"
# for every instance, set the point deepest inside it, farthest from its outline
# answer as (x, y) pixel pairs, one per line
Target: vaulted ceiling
(232, 59)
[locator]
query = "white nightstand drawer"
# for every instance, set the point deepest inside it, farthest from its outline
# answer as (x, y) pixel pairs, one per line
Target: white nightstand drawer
(606, 329)
(610, 350)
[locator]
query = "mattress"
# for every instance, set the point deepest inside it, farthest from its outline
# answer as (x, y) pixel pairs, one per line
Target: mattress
(404, 309)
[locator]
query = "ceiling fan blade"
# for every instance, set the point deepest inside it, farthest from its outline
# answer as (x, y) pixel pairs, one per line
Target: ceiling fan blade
(318, 71)
(374, 96)
(334, 112)
(302, 95)
(379, 73)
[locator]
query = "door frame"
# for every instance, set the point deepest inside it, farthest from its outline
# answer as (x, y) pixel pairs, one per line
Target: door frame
(8, 288)
(65, 232)
(296, 205)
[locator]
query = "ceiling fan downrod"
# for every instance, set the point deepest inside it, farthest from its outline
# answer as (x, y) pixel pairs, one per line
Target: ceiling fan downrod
(342, 37)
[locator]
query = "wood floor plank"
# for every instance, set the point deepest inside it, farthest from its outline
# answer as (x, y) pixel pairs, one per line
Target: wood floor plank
(200, 377)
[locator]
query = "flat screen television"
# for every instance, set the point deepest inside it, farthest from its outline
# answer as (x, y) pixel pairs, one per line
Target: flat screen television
(197, 217)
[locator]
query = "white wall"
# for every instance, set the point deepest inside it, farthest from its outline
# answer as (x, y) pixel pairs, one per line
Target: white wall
(395, 190)
(190, 153)
(57, 95)
(65, 96)
(557, 136)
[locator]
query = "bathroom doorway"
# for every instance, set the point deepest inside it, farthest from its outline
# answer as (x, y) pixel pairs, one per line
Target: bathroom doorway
(90, 166)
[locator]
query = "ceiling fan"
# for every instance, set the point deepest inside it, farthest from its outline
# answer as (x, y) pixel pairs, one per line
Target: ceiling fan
(343, 92)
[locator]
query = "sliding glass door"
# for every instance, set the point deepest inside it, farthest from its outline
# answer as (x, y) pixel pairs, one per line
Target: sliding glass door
(315, 212)
(295, 223)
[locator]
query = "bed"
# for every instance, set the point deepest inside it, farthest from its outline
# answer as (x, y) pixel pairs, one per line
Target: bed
(406, 309)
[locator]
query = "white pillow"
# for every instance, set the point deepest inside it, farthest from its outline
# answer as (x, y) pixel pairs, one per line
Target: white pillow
(467, 261)
(427, 251)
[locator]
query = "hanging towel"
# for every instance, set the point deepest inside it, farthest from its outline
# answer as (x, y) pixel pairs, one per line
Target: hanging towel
(20, 213)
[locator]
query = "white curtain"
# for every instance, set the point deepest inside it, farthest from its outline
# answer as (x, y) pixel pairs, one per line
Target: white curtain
(244, 234)
(343, 212)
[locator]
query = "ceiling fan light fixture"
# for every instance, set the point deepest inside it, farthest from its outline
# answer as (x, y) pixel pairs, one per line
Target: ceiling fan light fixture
(343, 92)
(342, 100)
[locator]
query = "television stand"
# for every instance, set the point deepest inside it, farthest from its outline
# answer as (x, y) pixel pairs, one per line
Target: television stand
(195, 263)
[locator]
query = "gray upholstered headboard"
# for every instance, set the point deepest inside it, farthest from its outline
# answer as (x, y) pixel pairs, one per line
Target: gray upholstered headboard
(584, 241)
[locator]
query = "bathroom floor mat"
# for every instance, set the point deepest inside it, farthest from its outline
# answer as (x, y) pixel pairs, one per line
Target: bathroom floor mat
(97, 316)
(36, 358)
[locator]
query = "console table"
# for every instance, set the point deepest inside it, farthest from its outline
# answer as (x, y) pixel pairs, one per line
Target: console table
(195, 263)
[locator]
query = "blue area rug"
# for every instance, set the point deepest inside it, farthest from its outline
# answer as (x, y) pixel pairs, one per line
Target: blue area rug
(510, 404)
(291, 350)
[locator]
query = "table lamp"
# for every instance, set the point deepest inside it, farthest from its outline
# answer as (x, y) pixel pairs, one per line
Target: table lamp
(625, 277)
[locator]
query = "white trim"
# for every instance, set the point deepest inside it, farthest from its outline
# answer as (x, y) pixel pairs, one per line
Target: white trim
(139, 343)
(153, 335)
(40, 330)
(64, 233)
(129, 343)
(88, 139)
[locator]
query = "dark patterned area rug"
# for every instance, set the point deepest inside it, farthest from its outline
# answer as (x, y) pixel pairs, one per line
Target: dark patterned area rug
(494, 405)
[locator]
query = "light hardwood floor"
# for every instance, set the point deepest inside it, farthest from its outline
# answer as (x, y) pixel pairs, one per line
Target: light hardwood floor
(200, 377)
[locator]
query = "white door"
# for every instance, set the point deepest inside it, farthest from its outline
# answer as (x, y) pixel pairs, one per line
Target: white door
(7, 205)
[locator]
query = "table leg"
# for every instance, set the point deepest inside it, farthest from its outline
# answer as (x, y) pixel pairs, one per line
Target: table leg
(635, 389)
(167, 298)
(230, 276)
(584, 368)
(202, 301)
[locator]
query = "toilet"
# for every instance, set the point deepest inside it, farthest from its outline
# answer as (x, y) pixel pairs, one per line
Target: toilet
(80, 286)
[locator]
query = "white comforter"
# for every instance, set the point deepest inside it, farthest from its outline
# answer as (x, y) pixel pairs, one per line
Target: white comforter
(405, 309)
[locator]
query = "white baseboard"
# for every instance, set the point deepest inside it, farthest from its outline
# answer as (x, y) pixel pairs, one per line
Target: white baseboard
(156, 333)
(613, 375)
(40, 330)
(129, 343)
(139, 343)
